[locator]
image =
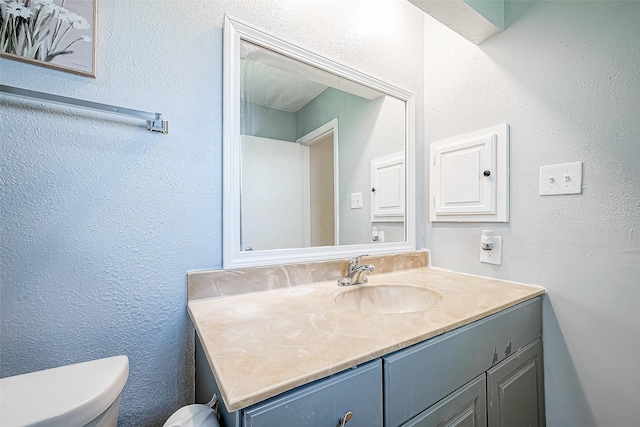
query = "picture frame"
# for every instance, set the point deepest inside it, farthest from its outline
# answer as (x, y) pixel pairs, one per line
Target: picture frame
(58, 34)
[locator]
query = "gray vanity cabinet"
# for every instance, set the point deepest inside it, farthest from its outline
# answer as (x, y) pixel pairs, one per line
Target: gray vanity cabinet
(510, 394)
(466, 407)
(487, 373)
(324, 402)
(418, 377)
(515, 389)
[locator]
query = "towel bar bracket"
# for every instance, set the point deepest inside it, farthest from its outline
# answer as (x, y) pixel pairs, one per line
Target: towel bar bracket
(158, 124)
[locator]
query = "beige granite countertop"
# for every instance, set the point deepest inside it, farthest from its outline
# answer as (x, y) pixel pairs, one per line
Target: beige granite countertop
(264, 343)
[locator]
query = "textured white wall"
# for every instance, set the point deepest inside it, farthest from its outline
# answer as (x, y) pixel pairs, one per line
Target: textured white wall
(101, 220)
(566, 77)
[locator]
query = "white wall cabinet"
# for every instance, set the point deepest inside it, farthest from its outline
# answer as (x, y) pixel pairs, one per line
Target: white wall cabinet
(469, 177)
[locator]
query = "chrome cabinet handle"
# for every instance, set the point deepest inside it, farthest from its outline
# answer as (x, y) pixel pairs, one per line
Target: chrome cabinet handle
(345, 419)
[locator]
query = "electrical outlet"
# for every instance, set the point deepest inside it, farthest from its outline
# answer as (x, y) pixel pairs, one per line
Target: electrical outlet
(490, 248)
(356, 200)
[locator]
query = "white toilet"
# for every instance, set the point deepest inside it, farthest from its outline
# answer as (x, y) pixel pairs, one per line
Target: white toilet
(85, 394)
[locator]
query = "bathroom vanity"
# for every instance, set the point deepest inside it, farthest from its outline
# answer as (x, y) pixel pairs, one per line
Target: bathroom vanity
(295, 356)
(282, 344)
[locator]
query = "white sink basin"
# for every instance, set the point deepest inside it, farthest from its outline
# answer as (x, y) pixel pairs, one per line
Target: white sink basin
(388, 298)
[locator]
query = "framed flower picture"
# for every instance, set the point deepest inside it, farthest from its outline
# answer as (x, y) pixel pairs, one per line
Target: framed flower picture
(59, 34)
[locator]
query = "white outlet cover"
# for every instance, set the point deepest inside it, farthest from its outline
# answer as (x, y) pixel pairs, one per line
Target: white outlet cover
(356, 200)
(493, 256)
(565, 178)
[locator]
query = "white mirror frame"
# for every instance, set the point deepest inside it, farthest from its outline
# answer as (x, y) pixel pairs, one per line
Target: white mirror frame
(233, 257)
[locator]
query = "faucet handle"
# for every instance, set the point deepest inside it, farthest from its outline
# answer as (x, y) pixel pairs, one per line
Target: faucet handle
(353, 262)
(345, 281)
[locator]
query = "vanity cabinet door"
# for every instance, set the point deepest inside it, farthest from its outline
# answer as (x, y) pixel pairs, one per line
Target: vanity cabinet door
(417, 377)
(466, 407)
(516, 389)
(321, 404)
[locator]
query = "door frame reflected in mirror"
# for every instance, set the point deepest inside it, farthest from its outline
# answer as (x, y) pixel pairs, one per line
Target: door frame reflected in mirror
(329, 128)
(233, 256)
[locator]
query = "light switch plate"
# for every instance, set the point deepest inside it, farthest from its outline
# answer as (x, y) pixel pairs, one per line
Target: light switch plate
(565, 178)
(356, 200)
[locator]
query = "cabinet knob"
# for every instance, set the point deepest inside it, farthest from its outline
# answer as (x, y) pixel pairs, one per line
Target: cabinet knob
(487, 173)
(345, 419)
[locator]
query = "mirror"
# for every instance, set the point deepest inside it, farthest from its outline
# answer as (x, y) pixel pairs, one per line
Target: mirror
(316, 163)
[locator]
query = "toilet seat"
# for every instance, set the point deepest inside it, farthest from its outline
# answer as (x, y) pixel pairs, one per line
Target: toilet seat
(70, 395)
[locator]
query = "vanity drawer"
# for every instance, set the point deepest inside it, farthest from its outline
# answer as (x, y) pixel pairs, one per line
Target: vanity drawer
(323, 403)
(419, 376)
(465, 407)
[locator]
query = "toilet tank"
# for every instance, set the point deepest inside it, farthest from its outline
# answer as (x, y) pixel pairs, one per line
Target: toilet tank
(84, 394)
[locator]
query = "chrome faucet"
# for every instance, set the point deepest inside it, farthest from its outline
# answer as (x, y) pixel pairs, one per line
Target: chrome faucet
(356, 275)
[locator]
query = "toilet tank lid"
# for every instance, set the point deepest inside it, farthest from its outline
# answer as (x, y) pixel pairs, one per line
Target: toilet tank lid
(66, 396)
